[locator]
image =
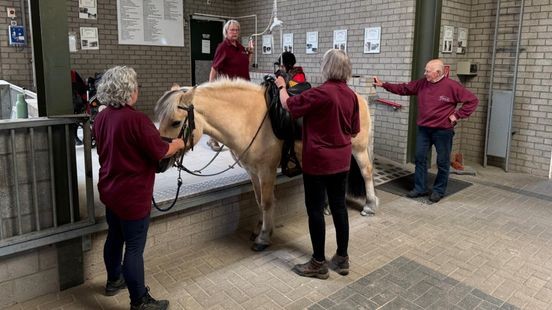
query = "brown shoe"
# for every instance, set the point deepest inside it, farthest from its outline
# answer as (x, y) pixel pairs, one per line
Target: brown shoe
(340, 264)
(313, 269)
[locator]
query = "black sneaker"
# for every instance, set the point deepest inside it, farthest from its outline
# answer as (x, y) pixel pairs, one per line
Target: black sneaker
(415, 194)
(340, 264)
(149, 303)
(113, 287)
(435, 197)
(313, 269)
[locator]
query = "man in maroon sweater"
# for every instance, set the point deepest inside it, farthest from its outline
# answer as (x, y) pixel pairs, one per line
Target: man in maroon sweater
(438, 97)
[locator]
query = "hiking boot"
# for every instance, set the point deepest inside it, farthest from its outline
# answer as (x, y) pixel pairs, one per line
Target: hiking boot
(340, 264)
(147, 302)
(214, 145)
(415, 194)
(435, 197)
(313, 269)
(113, 287)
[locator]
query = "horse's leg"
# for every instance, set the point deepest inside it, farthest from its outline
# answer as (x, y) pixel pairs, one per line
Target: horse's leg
(366, 169)
(267, 208)
(257, 190)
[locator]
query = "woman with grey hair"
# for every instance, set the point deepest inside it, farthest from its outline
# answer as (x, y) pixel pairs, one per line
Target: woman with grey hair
(330, 119)
(231, 60)
(129, 148)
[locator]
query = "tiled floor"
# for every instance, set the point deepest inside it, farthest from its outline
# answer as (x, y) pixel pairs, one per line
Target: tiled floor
(487, 247)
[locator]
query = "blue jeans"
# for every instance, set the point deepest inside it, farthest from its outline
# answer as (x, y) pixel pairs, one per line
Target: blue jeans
(132, 235)
(442, 139)
(316, 188)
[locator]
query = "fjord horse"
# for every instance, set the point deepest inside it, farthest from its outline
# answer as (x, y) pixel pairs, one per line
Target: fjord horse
(234, 112)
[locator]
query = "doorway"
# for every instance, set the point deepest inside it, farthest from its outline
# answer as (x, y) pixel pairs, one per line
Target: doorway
(206, 34)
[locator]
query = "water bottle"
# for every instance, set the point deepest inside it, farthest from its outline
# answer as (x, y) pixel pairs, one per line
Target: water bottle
(21, 107)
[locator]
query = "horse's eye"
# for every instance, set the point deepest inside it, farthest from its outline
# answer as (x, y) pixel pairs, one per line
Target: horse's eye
(175, 124)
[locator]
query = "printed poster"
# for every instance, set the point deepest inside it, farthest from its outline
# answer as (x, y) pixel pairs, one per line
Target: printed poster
(312, 42)
(89, 38)
(267, 44)
(288, 42)
(372, 40)
(448, 33)
(340, 40)
(462, 40)
(88, 9)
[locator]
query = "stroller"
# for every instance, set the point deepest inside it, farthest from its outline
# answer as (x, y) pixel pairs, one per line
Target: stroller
(84, 99)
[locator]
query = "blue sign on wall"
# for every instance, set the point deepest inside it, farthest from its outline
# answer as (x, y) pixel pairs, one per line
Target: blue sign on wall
(16, 35)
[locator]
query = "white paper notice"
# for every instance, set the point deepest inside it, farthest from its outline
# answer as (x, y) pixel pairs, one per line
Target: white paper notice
(87, 9)
(267, 44)
(205, 46)
(340, 40)
(288, 42)
(89, 38)
(312, 42)
(372, 38)
(150, 22)
(448, 34)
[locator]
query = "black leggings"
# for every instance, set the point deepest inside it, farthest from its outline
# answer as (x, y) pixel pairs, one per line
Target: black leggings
(316, 186)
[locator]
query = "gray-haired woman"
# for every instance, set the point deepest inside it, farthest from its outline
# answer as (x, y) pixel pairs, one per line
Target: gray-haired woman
(330, 119)
(231, 60)
(129, 148)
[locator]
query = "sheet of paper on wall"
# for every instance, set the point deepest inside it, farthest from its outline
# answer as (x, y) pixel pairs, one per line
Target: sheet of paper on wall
(206, 46)
(372, 40)
(267, 44)
(462, 40)
(287, 42)
(340, 39)
(72, 42)
(89, 38)
(88, 9)
(448, 34)
(312, 42)
(150, 22)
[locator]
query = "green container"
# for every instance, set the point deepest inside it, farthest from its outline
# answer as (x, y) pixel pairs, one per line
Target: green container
(21, 107)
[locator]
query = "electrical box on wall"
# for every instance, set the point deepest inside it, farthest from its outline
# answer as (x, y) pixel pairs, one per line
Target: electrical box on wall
(466, 68)
(16, 35)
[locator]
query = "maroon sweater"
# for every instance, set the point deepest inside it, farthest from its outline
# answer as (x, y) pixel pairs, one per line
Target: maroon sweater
(129, 147)
(231, 61)
(330, 117)
(437, 101)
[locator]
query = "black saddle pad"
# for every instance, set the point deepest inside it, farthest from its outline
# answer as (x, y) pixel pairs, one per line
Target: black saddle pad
(401, 186)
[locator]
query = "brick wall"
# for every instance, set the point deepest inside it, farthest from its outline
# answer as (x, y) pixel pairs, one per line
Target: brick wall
(15, 62)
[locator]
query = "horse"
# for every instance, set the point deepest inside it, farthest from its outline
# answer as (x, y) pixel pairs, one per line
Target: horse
(234, 112)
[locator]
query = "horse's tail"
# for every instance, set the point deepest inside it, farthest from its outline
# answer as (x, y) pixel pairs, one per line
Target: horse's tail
(356, 188)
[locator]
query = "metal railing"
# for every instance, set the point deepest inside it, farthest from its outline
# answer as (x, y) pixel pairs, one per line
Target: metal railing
(28, 208)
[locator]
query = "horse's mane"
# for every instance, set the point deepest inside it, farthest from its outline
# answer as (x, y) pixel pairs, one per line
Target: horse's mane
(166, 105)
(233, 84)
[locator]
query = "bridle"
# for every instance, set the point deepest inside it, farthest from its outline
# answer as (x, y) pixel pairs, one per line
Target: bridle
(186, 133)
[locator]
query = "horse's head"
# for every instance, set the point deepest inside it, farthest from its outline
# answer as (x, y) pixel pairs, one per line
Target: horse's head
(174, 110)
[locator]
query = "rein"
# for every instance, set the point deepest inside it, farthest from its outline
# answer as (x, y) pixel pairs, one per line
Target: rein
(186, 133)
(198, 172)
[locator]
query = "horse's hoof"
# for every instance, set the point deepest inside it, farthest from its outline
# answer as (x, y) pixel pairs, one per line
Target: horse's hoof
(259, 247)
(253, 237)
(367, 211)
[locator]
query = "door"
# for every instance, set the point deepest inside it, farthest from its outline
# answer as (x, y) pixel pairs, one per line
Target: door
(205, 37)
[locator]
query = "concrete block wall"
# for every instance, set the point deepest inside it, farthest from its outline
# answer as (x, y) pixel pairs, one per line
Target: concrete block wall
(206, 222)
(157, 66)
(15, 62)
(26, 275)
(396, 19)
(531, 147)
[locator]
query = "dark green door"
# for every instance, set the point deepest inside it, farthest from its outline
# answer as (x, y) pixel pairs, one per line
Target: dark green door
(205, 37)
